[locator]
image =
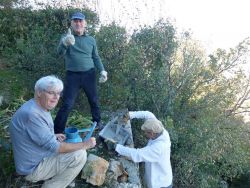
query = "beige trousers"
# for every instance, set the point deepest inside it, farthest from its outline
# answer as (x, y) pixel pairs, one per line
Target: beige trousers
(60, 170)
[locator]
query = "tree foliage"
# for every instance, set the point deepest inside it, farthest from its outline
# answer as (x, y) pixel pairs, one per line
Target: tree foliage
(112, 43)
(29, 38)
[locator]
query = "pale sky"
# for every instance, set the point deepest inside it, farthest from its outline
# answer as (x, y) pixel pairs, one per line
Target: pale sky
(217, 23)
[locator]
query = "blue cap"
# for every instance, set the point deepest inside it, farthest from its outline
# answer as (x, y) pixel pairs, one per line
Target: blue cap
(78, 15)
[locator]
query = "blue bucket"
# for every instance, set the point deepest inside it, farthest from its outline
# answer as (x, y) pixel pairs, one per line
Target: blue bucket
(71, 133)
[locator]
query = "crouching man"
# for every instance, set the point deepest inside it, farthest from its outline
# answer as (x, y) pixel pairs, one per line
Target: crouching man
(40, 154)
(156, 154)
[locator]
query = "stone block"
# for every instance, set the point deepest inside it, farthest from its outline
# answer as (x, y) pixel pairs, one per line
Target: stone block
(94, 171)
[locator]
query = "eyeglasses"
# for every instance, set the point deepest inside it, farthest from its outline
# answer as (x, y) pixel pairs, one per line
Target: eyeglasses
(53, 93)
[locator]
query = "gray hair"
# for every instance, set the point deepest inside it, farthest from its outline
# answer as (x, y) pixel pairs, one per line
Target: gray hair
(47, 82)
(153, 125)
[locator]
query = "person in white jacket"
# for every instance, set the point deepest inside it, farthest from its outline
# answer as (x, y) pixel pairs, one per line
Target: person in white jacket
(156, 154)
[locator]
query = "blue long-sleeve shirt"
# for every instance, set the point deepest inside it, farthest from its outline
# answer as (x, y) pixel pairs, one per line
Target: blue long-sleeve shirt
(32, 137)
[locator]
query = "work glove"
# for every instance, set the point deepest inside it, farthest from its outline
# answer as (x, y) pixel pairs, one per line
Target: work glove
(103, 77)
(125, 116)
(111, 144)
(69, 39)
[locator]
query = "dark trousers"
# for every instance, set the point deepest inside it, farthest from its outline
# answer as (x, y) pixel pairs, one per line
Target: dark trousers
(74, 82)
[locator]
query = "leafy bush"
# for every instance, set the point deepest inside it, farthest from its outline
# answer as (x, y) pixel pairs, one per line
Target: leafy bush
(6, 155)
(29, 39)
(112, 44)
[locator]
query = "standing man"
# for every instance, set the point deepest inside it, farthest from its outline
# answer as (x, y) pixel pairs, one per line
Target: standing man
(40, 154)
(156, 154)
(81, 58)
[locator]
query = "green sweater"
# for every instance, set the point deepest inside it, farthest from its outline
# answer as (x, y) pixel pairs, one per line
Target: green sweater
(82, 56)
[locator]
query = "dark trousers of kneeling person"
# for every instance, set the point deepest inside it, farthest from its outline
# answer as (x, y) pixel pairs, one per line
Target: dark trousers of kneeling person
(74, 82)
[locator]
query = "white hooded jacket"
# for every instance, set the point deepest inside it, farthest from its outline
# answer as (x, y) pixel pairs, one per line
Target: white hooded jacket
(156, 155)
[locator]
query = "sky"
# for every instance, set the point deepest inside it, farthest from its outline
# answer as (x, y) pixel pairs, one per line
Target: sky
(217, 23)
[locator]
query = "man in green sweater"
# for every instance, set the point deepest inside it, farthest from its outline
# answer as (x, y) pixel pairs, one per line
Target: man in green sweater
(81, 58)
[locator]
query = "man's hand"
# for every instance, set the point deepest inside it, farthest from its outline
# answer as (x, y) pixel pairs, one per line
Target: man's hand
(90, 143)
(69, 39)
(125, 117)
(60, 137)
(103, 77)
(111, 144)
